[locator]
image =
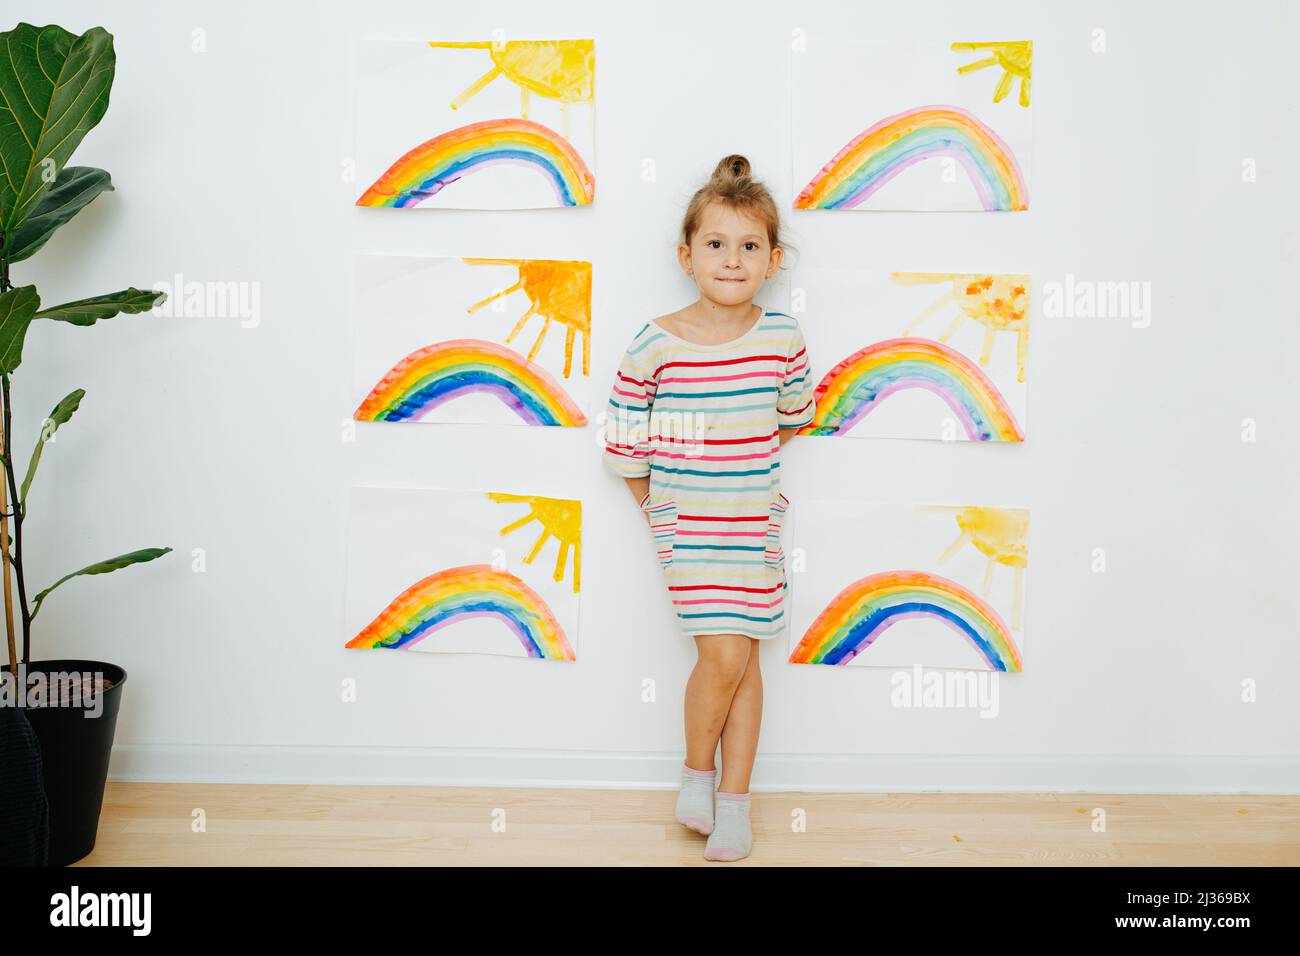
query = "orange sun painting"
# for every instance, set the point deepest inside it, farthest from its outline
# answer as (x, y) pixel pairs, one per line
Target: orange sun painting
(559, 291)
(1000, 303)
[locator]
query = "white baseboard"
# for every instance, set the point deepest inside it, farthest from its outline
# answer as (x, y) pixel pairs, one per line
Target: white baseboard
(813, 773)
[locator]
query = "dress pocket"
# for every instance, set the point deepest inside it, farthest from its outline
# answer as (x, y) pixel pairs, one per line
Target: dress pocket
(774, 555)
(663, 522)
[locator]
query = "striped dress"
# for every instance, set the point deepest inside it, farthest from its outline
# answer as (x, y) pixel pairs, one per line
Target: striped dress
(703, 422)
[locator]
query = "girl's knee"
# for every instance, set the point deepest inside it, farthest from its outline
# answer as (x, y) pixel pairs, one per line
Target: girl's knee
(726, 657)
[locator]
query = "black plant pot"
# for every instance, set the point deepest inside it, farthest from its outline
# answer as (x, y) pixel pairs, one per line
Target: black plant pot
(24, 812)
(75, 749)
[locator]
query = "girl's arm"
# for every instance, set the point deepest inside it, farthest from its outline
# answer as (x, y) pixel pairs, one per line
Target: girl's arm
(640, 487)
(795, 404)
(627, 449)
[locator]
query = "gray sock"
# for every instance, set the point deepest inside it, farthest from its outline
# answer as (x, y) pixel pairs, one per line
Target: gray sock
(731, 838)
(695, 801)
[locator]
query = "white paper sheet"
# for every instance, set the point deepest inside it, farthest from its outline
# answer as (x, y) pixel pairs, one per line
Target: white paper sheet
(404, 93)
(974, 559)
(962, 151)
(921, 339)
(399, 537)
(406, 307)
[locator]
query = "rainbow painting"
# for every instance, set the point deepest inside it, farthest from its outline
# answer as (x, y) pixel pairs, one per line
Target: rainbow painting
(860, 383)
(458, 594)
(868, 607)
(425, 170)
(878, 154)
(438, 373)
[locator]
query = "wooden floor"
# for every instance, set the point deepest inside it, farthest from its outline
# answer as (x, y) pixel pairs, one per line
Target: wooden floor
(252, 825)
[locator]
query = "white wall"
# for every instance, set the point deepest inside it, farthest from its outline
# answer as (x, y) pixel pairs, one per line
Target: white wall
(200, 433)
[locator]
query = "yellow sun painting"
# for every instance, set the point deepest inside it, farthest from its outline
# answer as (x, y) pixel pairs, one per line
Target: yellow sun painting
(561, 70)
(1001, 535)
(1014, 56)
(560, 518)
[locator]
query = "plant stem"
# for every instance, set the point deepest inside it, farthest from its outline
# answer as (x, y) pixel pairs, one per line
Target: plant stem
(18, 520)
(4, 503)
(4, 562)
(7, 436)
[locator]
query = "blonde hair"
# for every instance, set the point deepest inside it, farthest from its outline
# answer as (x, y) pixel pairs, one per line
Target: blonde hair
(732, 185)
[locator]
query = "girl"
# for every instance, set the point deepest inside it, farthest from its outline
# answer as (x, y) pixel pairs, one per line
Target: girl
(703, 401)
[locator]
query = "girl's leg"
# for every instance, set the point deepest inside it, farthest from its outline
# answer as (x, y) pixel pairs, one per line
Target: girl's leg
(740, 732)
(732, 837)
(723, 663)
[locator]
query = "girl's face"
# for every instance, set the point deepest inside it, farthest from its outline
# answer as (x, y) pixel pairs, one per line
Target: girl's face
(729, 256)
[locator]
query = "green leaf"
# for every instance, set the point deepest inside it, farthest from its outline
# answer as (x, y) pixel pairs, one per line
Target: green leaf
(62, 412)
(17, 309)
(71, 192)
(103, 567)
(53, 90)
(89, 311)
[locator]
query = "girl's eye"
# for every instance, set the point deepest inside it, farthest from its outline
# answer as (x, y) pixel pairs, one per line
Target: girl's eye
(712, 241)
(754, 244)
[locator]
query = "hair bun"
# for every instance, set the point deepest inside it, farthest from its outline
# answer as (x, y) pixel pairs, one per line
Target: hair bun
(734, 166)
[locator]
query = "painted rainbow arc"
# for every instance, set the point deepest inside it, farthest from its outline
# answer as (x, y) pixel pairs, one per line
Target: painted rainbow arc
(456, 594)
(881, 152)
(857, 385)
(868, 607)
(425, 170)
(436, 374)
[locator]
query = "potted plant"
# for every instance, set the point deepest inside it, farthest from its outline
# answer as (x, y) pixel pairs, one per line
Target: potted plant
(54, 88)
